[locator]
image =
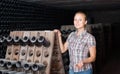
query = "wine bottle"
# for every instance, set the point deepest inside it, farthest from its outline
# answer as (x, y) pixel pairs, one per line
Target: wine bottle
(9, 40)
(2, 39)
(11, 64)
(43, 41)
(25, 40)
(16, 40)
(38, 66)
(3, 71)
(3, 62)
(18, 64)
(32, 40)
(40, 41)
(10, 72)
(27, 65)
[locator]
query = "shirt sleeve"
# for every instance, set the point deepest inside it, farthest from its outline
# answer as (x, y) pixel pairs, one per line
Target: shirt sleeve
(91, 41)
(69, 36)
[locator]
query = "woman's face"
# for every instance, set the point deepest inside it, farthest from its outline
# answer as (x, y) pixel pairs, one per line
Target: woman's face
(79, 21)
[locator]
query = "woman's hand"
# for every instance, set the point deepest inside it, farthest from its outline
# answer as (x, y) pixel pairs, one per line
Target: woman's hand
(58, 32)
(79, 65)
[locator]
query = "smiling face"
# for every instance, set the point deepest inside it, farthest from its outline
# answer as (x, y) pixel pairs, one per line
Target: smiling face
(80, 20)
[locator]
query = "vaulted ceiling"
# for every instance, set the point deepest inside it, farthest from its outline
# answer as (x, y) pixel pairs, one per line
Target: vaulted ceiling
(80, 4)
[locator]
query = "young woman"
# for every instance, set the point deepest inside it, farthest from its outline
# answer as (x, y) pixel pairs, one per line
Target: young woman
(81, 46)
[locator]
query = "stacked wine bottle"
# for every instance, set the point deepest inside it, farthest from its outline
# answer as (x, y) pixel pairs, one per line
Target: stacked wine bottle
(31, 52)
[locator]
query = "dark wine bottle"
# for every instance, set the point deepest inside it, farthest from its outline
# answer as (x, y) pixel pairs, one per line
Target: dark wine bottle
(43, 41)
(11, 64)
(9, 40)
(32, 40)
(38, 67)
(10, 72)
(27, 65)
(18, 64)
(16, 40)
(40, 41)
(3, 71)
(2, 39)
(25, 40)
(3, 62)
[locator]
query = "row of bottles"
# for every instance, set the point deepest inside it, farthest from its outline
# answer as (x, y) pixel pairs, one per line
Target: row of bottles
(22, 64)
(22, 15)
(25, 40)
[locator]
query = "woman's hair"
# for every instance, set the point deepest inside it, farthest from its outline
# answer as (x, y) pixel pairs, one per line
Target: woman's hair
(80, 12)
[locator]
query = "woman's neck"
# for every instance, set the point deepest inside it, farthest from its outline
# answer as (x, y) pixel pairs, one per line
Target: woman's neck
(79, 31)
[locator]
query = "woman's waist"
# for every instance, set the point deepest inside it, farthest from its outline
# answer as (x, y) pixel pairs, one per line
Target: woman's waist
(83, 68)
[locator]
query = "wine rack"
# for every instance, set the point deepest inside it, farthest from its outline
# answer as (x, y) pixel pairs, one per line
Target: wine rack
(32, 52)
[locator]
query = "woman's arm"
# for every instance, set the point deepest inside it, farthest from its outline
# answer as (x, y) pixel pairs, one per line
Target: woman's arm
(92, 55)
(90, 59)
(63, 47)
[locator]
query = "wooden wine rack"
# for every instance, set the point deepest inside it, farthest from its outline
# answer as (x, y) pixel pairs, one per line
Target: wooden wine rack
(49, 55)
